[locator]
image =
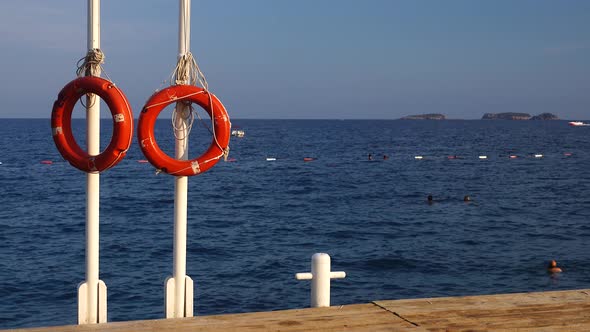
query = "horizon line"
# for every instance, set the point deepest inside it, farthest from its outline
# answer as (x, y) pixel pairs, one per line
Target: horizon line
(316, 119)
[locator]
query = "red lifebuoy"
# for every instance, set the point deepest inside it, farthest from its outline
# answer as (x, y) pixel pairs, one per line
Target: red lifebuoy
(147, 120)
(61, 124)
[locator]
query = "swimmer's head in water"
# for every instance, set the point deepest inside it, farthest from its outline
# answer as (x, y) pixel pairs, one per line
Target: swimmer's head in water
(430, 197)
(552, 268)
(466, 198)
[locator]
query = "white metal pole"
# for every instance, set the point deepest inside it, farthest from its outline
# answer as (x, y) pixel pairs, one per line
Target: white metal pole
(92, 311)
(93, 179)
(320, 279)
(184, 28)
(182, 302)
(320, 284)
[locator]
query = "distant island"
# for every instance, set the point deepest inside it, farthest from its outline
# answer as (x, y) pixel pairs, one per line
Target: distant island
(518, 116)
(487, 116)
(506, 116)
(545, 116)
(431, 116)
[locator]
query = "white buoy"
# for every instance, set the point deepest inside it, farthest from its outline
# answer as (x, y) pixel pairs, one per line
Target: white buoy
(320, 279)
(179, 288)
(92, 294)
(538, 156)
(271, 159)
(418, 157)
(483, 157)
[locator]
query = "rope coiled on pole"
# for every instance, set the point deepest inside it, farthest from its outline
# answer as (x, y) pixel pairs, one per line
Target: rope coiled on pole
(187, 71)
(91, 64)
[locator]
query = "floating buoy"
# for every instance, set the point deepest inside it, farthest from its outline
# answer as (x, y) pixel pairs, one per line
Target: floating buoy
(538, 156)
(271, 159)
(183, 93)
(567, 154)
(0, 163)
(308, 159)
(418, 157)
(512, 156)
(142, 161)
(46, 162)
(483, 157)
(61, 124)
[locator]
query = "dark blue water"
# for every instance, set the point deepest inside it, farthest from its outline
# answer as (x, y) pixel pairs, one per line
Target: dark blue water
(253, 224)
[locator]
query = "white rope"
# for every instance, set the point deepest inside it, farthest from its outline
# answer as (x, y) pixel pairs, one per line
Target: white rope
(173, 98)
(189, 126)
(91, 65)
(212, 129)
(187, 71)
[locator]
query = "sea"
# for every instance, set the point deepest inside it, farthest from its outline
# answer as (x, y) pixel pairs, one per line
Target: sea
(253, 224)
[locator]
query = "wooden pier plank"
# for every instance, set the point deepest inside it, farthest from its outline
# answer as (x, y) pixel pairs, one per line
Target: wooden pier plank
(543, 311)
(554, 310)
(358, 317)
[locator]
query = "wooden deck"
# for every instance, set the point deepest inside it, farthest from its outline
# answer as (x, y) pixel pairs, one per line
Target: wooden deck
(543, 311)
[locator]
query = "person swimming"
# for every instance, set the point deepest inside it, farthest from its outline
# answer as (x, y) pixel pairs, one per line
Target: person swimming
(552, 268)
(430, 200)
(466, 198)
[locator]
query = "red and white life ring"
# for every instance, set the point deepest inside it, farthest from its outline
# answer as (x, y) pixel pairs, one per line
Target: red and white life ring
(147, 120)
(61, 124)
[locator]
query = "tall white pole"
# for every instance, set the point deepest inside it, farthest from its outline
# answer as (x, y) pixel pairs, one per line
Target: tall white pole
(182, 289)
(92, 293)
(93, 179)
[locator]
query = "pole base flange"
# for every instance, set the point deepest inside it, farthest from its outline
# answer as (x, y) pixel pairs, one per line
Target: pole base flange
(169, 300)
(85, 316)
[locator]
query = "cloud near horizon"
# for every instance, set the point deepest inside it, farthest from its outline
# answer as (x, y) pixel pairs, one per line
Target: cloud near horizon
(567, 48)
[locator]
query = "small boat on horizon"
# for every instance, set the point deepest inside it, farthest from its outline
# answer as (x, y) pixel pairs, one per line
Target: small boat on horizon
(578, 124)
(238, 133)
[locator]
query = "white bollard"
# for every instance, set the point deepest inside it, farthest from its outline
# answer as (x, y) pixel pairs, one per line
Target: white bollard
(320, 279)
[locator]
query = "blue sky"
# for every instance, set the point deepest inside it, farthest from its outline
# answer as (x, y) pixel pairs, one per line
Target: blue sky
(330, 59)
